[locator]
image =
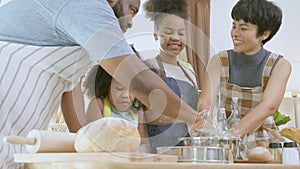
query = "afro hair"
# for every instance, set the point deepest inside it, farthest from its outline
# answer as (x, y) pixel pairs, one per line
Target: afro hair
(154, 8)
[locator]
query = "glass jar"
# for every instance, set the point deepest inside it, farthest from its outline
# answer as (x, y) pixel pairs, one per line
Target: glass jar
(222, 127)
(234, 117)
(290, 153)
(276, 152)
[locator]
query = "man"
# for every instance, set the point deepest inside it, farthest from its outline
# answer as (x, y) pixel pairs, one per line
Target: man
(47, 46)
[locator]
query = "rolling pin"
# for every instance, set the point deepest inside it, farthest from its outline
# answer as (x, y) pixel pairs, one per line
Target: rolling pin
(276, 134)
(41, 141)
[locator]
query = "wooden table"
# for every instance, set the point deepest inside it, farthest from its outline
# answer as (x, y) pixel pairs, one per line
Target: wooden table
(110, 161)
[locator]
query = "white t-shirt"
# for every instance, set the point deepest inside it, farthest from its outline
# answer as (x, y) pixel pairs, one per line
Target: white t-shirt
(176, 72)
(173, 71)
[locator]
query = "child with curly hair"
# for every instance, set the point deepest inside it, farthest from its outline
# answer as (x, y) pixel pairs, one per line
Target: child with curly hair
(109, 98)
(169, 17)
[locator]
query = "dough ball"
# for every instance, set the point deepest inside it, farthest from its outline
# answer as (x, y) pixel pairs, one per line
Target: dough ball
(259, 154)
(108, 134)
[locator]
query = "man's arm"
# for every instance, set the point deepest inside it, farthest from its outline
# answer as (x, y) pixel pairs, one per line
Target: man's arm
(149, 88)
(73, 109)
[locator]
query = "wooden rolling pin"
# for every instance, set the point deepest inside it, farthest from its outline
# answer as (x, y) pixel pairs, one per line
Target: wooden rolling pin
(41, 141)
(276, 134)
(291, 133)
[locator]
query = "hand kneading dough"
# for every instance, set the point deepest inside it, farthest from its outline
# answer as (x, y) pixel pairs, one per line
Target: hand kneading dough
(108, 134)
(259, 154)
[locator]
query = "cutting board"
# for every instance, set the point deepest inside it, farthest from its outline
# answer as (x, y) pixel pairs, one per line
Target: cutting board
(258, 162)
(92, 157)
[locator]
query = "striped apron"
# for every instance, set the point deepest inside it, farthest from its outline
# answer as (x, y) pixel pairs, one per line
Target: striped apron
(32, 81)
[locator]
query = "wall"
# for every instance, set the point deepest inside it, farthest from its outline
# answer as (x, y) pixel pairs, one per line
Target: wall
(141, 35)
(284, 42)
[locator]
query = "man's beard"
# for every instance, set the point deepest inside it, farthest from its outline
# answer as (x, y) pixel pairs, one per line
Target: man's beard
(119, 13)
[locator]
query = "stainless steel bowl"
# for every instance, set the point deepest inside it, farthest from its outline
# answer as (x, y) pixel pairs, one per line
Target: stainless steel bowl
(198, 154)
(232, 143)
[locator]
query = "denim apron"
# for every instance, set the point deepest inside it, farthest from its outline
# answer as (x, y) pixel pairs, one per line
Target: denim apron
(168, 135)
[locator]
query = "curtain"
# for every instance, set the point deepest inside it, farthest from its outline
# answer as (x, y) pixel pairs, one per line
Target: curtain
(198, 45)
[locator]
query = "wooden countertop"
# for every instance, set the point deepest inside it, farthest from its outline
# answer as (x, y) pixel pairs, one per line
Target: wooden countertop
(152, 165)
(109, 161)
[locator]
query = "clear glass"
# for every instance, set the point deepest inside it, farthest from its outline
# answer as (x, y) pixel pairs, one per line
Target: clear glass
(290, 155)
(262, 138)
(234, 116)
(222, 127)
(276, 153)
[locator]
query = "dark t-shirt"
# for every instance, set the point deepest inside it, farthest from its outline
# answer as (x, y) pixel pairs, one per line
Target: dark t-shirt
(247, 70)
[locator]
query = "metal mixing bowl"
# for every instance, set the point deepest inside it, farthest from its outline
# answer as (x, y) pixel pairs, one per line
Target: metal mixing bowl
(232, 143)
(199, 154)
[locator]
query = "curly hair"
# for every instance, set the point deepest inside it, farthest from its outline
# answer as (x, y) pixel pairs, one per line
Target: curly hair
(157, 9)
(97, 81)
